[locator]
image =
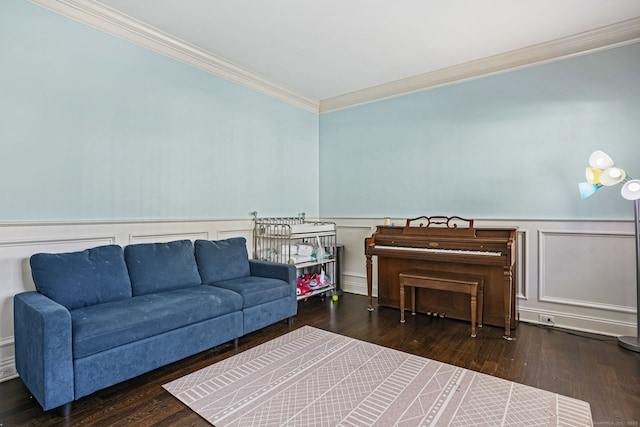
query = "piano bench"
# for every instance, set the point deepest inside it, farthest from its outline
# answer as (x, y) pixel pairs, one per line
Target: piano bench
(444, 281)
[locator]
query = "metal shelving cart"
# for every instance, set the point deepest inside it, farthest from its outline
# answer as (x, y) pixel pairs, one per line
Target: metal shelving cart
(309, 245)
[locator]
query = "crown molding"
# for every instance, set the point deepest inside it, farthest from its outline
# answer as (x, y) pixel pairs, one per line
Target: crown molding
(95, 14)
(103, 18)
(622, 33)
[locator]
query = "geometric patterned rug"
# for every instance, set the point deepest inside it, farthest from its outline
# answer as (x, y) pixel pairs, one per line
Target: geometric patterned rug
(311, 377)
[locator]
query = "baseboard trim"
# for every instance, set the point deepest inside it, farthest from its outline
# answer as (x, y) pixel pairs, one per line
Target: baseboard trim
(574, 322)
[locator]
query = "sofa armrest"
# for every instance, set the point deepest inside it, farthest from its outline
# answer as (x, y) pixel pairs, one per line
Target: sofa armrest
(43, 353)
(286, 272)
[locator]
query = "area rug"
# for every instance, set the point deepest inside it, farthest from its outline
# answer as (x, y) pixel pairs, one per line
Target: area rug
(311, 377)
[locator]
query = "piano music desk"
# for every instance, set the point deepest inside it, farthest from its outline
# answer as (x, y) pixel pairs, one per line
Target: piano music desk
(445, 281)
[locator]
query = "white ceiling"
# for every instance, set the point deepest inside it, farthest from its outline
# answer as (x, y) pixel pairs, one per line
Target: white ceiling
(326, 48)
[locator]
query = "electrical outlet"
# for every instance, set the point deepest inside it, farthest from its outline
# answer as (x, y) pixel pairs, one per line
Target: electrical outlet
(546, 319)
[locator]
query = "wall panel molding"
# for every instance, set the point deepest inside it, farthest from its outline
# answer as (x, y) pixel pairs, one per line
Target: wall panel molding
(247, 233)
(522, 264)
(167, 237)
(601, 266)
(40, 241)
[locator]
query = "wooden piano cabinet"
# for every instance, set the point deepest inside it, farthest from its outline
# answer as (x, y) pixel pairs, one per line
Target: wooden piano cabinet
(487, 252)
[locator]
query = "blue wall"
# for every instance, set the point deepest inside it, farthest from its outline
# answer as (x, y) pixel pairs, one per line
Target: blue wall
(94, 127)
(508, 146)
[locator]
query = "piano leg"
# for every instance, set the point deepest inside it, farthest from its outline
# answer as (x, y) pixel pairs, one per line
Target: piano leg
(474, 311)
(480, 303)
(402, 301)
(413, 300)
(507, 305)
(369, 283)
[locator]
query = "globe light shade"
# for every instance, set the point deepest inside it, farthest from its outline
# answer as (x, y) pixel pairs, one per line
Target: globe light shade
(631, 189)
(612, 176)
(587, 189)
(600, 160)
(593, 175)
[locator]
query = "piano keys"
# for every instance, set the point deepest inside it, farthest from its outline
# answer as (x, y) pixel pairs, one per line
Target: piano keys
(444, 251)
(447, 244)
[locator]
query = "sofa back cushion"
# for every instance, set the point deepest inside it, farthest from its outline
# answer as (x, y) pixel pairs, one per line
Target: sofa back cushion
(81, 279)
(157, 267)
(222, 259)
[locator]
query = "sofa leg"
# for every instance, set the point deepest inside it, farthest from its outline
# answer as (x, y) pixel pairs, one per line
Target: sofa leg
(290, 321)
(236, 341)
(64, 410)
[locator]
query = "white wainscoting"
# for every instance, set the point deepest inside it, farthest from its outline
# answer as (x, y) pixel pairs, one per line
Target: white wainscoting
(580, 272)
(596, 274)
(21, 240)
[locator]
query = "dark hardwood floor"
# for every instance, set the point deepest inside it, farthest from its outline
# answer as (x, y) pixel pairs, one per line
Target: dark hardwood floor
(584, 366)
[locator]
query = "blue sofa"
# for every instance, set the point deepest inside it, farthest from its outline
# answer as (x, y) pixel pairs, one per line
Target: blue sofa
(107, 314)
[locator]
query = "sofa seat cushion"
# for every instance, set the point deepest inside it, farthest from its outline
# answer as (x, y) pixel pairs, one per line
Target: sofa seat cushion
(257, 290)
(104, 326)
(80, 279)
(159, 267)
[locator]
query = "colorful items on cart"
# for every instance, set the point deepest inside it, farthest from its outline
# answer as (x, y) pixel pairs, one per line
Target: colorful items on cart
(308, 283)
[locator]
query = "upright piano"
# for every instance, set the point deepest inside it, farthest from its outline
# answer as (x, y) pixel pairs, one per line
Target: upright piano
(452, 244)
